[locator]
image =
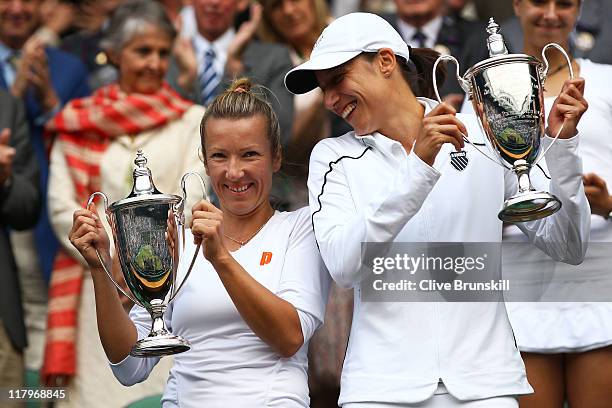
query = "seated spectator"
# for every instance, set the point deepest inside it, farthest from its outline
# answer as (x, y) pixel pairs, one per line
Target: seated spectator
(19, 209)
(97, 141)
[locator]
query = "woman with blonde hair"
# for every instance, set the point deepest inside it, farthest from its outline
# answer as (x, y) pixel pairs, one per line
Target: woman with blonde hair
(255, 297)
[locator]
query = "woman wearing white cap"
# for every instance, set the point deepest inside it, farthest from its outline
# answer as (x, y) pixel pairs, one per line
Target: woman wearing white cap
(392, 180)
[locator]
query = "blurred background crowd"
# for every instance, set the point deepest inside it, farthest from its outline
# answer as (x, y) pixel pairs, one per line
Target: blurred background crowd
(73, 67)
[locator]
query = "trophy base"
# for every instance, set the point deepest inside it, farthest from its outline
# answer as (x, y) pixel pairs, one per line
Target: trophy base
(529, 206)
(160, 345)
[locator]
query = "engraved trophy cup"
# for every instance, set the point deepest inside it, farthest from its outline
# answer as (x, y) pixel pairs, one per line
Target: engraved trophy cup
(148, 230)
(506, 91)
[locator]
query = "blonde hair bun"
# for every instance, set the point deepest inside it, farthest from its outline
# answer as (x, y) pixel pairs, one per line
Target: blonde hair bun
(243, 99)
(240, 85)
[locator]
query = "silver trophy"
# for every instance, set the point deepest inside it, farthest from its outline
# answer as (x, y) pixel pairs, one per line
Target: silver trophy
(507, 95)
(149, 233)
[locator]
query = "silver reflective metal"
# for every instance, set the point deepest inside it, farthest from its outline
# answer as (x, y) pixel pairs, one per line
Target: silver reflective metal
(149, 232)
(507, 95)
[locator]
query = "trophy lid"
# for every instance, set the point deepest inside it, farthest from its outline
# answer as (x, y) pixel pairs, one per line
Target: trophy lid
(143, 189)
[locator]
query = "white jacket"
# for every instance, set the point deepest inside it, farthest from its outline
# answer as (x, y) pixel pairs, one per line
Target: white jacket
(368, 189)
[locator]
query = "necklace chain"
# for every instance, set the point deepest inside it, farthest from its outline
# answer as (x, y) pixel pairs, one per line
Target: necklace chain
(246, 241)
(558, 68)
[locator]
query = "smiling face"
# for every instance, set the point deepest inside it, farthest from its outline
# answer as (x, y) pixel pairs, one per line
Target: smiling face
(545, 21)
(18, 19)
(356, 91)
(240, 163)
(143, 61)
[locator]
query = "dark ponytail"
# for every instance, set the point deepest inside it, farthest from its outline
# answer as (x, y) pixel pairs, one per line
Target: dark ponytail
(418, 72)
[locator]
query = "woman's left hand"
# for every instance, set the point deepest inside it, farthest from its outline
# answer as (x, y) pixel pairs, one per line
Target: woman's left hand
(597, 193)
(207, 229)
(569, 106)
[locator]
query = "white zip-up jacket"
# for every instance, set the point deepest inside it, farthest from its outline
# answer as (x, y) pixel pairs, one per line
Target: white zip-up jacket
(368, 189)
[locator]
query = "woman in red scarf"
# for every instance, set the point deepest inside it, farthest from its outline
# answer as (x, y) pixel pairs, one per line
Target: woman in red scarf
(96, 142)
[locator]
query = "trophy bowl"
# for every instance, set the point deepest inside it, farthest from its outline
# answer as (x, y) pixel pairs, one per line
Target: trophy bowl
(508, 99)
(148, 231)
(506, 91)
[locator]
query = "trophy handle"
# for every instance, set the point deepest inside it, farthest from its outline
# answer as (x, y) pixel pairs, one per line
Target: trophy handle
(110, 275)
(543, 73)
(180, 207)
(465, 85)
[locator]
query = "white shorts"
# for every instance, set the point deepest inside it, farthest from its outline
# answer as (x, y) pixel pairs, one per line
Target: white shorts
(442, 399)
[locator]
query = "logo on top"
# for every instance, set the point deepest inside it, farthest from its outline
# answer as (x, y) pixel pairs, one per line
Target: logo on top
(266, 258)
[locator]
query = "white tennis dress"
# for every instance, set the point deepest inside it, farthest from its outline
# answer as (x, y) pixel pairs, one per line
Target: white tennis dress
(554, 327)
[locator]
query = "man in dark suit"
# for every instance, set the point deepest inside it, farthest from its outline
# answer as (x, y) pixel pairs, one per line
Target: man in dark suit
(424, 24)
(223, 53)
(45, 79)
(19, 209)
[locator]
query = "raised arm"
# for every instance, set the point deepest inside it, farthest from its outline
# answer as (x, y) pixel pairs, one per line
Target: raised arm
(118, 331)
(341, 225)
(564, 235)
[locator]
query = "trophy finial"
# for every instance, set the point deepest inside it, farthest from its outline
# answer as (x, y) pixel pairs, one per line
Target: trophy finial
(143, 180)
(493, 27)
(141, 160)
(495, 42)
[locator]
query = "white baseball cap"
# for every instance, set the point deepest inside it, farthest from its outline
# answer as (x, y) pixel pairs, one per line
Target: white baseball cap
(341, 41)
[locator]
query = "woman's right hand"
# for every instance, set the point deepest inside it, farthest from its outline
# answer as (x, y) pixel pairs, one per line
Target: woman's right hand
(207, 229)
(439, 126)
(88, 234)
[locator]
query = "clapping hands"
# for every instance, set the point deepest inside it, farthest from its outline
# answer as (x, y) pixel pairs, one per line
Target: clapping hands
(33, 70)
